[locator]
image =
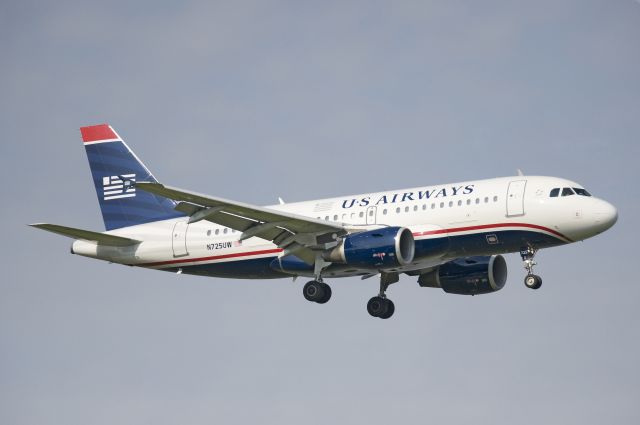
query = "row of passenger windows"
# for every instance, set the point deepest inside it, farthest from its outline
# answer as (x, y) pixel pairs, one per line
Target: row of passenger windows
(568, 191)
(224, 231)
(407, 209)
(398, 210)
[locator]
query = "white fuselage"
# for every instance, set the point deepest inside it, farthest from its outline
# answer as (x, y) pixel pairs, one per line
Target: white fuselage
(448, 221)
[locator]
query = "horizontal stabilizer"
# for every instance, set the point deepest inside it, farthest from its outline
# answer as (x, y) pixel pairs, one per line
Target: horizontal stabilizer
(87, 235)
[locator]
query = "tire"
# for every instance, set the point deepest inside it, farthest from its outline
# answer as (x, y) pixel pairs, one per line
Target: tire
(390, 309)
(326, 289)
(313, 291)
(533, 281)
(377, 306)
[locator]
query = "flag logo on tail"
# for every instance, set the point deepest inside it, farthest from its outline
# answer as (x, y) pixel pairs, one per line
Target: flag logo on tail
(116, 187)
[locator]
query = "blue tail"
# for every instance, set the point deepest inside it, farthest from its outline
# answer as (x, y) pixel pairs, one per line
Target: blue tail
(115, 170)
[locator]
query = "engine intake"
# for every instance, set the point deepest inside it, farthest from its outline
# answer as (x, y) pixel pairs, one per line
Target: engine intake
(468, 276)
(381, 248)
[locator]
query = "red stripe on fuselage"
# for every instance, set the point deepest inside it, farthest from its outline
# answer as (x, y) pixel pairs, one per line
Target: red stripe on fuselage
(213, 257)
(492, 226)
(427, 233)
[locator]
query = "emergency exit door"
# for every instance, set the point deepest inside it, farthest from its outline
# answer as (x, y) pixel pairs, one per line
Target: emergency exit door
(515, 198)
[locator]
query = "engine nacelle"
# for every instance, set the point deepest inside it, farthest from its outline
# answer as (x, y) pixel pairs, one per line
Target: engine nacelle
(376, 249)
(468, 276)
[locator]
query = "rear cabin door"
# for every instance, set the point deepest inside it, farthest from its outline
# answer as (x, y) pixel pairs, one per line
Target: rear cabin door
(515, 198)
(179, 239)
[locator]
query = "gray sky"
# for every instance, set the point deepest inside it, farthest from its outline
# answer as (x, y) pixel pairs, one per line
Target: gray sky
(255, 100)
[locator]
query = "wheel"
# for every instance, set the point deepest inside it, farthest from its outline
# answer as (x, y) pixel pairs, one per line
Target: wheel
(533, 281)
(326, 289)
(375, 306)
(314, 291)
(380, 307)
(390, 308)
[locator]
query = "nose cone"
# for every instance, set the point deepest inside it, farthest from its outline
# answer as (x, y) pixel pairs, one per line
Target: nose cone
(605, 216)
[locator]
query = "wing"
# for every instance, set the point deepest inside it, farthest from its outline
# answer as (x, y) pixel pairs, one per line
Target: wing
(87, 235)
(295, 234)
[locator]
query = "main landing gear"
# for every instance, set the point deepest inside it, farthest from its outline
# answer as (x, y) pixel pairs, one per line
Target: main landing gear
(317, 291)
(531, 280)
(380, 306)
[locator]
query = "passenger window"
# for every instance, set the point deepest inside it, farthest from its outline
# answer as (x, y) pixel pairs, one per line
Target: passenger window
(486, 200)
(225, 231)
(335, 217)
(398, 210)
(450, 204)
(495, 199)
(433, 206)
(567, 191)
(424, 206)
(415, 208)
(217, 231)
(371, 212)
(406, 209)
(477, 200)
(468, 201)
(441, 204)
(460, 203)
(384, 211)
(554, 192)
(361, 214)
(209, 232)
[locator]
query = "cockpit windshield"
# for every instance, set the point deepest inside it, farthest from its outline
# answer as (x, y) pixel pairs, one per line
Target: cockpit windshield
(568, 191)
(582, 192)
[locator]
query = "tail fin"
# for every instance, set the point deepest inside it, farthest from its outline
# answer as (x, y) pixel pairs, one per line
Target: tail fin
(115, 170)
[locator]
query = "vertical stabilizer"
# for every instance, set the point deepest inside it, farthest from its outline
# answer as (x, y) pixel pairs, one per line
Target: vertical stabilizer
(115, 170)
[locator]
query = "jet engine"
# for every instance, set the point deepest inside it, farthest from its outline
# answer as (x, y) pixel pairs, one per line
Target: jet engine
(376, 249)
(468, 276)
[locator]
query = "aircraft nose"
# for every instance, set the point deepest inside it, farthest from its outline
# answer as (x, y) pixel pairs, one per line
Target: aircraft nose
(606, 216)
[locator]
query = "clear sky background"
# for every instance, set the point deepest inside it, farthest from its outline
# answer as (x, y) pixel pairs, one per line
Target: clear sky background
(252, 100)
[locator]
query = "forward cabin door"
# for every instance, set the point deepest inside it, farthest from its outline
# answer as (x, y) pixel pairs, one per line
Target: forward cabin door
(515, 198)
(179, 239)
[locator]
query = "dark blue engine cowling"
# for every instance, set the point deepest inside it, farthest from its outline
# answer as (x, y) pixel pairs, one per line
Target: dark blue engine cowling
(468, 276)
(377, 249)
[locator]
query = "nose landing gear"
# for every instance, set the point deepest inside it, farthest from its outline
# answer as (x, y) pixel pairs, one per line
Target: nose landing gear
(531, 280)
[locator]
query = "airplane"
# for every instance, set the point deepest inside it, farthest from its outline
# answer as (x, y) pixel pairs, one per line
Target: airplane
(449, 236)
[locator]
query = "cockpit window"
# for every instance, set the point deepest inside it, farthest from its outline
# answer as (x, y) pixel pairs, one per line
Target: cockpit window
(581, 192)
(567, 191)
(554, 192)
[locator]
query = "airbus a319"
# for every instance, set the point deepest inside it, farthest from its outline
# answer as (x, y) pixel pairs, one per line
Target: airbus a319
(449, 236)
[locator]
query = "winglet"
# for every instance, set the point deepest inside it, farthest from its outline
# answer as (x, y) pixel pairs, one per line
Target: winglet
(97, 133)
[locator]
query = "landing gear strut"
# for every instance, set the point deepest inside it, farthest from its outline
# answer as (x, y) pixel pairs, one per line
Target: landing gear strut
(531, 280)
(380, 306)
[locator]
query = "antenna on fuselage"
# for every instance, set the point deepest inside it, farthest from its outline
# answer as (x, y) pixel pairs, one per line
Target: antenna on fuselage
(520, 173)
